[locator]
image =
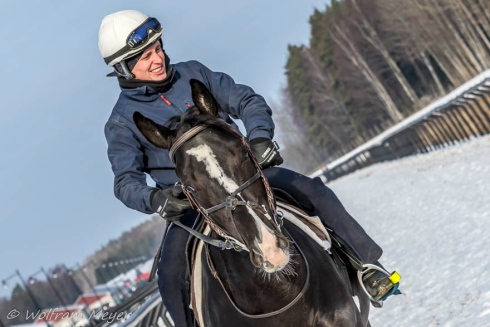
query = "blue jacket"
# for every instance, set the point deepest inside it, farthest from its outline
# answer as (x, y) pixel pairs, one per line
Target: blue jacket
(131, 155)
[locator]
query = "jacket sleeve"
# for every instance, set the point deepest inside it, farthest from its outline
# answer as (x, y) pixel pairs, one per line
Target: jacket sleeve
(127, 160)
(240, 101)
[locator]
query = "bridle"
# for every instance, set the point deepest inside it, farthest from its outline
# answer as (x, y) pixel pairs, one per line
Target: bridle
(231, 202)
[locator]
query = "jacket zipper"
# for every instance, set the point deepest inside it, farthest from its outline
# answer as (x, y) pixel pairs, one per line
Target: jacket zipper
(170, 104)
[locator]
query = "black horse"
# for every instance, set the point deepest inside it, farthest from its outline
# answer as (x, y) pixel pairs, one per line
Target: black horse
(276, 276)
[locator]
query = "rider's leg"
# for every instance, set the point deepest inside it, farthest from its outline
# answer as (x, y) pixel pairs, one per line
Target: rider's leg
(172, 273)
(317, 199)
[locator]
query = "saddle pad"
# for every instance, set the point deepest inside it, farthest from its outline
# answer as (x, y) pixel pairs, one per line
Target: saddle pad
(292, 214)
(196, 281)
(305, 223)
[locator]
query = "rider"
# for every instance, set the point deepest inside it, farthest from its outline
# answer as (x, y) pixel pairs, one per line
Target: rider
(131, 43)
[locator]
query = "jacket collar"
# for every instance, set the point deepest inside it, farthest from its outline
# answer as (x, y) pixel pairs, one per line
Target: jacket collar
(141, 94)
(146, 93)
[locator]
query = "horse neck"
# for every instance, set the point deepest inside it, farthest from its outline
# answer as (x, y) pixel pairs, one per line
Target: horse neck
(265, 292)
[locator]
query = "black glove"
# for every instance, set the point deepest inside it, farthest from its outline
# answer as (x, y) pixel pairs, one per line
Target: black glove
(265, 151)
(170, 203)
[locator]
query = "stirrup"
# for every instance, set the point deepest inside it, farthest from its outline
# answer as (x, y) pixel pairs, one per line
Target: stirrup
(393, 277)
(393, 291)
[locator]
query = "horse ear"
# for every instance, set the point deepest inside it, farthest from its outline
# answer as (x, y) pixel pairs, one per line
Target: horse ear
(203, 99)
(158, 135)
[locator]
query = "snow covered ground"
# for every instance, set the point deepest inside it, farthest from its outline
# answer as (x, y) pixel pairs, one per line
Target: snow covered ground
(431, 215)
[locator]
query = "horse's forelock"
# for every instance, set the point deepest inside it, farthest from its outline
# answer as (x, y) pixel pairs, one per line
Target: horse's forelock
(192, 118)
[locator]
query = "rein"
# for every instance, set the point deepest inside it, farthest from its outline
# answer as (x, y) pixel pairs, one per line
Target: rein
(231, 201)
(269, 314)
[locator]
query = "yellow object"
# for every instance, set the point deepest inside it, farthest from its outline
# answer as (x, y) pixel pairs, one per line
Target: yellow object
(395, 277)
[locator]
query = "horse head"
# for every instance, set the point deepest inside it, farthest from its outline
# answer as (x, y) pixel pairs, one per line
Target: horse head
(220, 176)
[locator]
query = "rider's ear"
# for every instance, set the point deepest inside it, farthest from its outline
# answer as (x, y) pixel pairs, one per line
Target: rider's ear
(158, 135)
(203, 99)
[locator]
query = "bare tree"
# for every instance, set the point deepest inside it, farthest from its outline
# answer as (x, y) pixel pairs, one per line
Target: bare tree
(344, 42)
(471, 31)
(370, 34)
(296, 147)
(331, 113)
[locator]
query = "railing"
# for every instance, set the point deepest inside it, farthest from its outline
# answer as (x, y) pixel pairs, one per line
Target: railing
(143, 309)
(151, 313)
(459, 116)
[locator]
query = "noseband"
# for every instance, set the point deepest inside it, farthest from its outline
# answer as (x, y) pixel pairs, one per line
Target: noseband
(231, 202)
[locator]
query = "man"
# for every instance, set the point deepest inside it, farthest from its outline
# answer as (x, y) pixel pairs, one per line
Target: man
(130, 42)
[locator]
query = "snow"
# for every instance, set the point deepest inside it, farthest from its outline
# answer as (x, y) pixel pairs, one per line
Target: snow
(431, 215)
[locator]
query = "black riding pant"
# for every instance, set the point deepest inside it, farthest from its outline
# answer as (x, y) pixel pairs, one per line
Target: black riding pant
(173, 279)
(319, 200)
(311, 194)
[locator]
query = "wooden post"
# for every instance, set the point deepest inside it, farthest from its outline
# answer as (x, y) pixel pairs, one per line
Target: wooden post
(468, 121)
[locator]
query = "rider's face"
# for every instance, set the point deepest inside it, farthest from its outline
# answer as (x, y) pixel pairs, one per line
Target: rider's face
(151, 65)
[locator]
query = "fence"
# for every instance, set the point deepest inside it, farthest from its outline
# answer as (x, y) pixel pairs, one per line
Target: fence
(151, 313)
(459, 116)
(143, 309)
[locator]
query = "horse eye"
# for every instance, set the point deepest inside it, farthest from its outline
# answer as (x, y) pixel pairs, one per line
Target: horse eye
(244, 153)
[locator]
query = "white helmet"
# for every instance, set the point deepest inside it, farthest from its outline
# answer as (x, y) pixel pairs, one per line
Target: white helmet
(126, 33)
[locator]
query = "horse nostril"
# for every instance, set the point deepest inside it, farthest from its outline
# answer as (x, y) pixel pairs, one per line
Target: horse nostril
(256, 258)
(267, 265)
(283, 243)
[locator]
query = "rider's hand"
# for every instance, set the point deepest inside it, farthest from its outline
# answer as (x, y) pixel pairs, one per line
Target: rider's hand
(265, 151)
(170, 204)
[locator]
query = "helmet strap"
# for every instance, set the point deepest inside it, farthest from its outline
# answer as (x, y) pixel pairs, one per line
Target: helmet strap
(126, 73)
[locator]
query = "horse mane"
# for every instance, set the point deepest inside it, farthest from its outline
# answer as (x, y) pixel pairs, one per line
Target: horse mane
(193, 118)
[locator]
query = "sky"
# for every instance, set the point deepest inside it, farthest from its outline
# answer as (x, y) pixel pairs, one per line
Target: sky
(431, 215)
(56, 187)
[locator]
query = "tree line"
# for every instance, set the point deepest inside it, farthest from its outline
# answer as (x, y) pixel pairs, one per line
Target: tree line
(65, 284)
(371, 63)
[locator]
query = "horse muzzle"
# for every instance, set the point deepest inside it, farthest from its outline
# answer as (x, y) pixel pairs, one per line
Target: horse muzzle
(271, 254)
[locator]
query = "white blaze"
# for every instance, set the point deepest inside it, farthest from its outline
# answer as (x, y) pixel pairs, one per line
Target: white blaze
(203, 153)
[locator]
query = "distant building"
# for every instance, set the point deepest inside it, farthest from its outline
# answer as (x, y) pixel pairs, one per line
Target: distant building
(141, 279)
(96, 301)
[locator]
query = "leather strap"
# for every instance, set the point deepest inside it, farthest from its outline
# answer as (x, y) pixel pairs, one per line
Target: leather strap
(269, 314)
